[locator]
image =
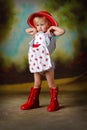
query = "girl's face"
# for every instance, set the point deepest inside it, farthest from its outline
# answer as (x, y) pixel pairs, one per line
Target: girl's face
(41, 24)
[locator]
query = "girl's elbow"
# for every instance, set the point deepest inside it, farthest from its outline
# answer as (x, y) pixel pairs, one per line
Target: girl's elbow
(63, 31)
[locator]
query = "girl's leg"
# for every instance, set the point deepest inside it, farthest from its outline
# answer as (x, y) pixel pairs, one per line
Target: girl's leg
(33, 99)
(50, 78)
(54, 104)
(37, 80)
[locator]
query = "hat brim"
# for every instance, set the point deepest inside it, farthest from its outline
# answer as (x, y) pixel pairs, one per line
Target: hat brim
(47, 15)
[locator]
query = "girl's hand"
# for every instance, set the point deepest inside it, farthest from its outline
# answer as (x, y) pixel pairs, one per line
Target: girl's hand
(56, 30)
(31, 31)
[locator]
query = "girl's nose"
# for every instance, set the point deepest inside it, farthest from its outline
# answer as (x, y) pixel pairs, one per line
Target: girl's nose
(39, 27)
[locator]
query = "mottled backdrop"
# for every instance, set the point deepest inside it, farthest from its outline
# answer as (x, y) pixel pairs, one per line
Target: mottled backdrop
(71, 52)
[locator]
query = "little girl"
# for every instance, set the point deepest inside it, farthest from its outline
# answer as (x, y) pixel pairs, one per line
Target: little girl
(44, 28)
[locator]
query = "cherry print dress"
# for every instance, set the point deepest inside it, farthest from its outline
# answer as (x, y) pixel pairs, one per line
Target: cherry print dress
(39, 54)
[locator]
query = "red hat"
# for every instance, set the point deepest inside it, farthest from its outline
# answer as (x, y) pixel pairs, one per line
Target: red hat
(41, 13)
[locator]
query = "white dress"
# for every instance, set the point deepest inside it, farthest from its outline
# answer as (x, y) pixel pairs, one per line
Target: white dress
(39, 54)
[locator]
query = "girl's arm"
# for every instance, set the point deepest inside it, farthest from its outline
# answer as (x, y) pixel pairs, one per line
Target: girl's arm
(31, 31)
(57, 31)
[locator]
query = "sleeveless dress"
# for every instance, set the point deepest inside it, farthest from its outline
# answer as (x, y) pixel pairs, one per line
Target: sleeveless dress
(40, 50)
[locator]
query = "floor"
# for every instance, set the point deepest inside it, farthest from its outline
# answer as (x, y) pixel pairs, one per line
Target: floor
(72, 114)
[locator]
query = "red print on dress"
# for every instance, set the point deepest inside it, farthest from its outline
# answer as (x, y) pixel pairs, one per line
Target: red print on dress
(34, 64)
(47, 53)
(42, 51)
(33, 50)
(37, 49)
(30, 60)
(38, 67)
(44, 64)
(40, 57)
(35, 58)
(32, 68)
(46, 59)
(40, 38)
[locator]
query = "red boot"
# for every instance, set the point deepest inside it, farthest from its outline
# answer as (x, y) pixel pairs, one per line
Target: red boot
(33, 99)
(54, 105)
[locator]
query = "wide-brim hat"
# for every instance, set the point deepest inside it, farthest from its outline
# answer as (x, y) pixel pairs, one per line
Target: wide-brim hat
(41, 13)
